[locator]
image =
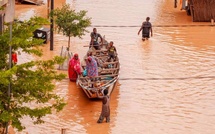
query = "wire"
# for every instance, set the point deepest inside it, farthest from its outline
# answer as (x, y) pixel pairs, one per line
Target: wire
(147, 79)
(154, 26)
(179, 78)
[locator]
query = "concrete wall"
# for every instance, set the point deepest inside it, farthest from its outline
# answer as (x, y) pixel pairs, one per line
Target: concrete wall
(2, 14)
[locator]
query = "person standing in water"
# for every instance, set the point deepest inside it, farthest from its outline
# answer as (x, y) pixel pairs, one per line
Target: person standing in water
(105, 113)
(74, 68)
(146, 29)
(14, 58)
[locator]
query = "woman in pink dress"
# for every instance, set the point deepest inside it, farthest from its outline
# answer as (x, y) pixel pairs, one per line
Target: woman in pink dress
(74, 68)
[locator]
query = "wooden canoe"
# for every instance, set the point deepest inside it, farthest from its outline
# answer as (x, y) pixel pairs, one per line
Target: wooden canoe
(107, 78)
(36, 2)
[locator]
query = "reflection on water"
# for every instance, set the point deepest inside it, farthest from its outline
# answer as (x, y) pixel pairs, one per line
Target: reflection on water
(169, 92)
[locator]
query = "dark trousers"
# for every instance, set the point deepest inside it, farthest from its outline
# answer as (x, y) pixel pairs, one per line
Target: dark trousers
(95, 45)
(101, 118)
(111, 56)
(145, 35)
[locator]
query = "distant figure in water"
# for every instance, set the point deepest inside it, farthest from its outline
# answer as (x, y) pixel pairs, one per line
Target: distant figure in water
(74, 68)
(146, 28)
(105, 113)
(14, 58)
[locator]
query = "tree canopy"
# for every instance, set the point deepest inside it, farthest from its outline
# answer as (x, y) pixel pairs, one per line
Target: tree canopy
(31, 83)
(70, 22)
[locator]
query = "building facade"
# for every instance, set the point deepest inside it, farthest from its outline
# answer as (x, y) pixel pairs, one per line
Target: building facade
(3, 4)
(202, 10)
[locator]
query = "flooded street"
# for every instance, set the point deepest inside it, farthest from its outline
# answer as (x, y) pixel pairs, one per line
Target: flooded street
(166, 84)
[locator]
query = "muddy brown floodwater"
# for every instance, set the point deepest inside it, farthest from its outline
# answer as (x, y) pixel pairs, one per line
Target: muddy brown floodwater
(166, 84)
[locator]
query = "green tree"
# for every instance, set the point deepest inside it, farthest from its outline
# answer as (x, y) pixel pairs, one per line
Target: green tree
(31, 83)
(70, 22)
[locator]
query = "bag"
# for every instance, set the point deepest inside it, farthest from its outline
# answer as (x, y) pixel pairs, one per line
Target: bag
(85, 72)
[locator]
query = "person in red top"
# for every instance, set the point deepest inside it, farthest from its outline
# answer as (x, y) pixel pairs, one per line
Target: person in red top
(74, 68)
(14, 58)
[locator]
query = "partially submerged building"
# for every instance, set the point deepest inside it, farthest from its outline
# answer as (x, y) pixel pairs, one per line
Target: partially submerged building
(3, 4)
(36, 2)
(202, 10)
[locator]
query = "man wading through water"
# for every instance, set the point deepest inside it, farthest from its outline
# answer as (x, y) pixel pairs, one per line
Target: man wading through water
(146, 29)
(105, 107)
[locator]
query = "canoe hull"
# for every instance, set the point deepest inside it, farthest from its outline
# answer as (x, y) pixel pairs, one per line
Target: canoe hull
(107, 78)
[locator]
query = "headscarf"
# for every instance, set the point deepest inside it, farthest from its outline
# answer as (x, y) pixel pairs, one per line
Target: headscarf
(75, 63)
(92, 67)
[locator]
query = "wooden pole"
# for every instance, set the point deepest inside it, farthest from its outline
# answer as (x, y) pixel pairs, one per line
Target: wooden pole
(63, 131)
(10, 65)
(52, 28)
(48, 8)
(212, 22)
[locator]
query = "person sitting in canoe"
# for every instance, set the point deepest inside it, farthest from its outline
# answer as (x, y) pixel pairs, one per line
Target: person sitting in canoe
(111, 52)
(74, 68)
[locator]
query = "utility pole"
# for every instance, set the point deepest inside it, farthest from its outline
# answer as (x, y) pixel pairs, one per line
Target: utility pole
(9, 17)
(10, 65)
(52, 28)
(48, 8)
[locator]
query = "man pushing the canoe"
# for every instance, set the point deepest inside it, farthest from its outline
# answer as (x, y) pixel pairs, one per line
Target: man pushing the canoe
(105, 113)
